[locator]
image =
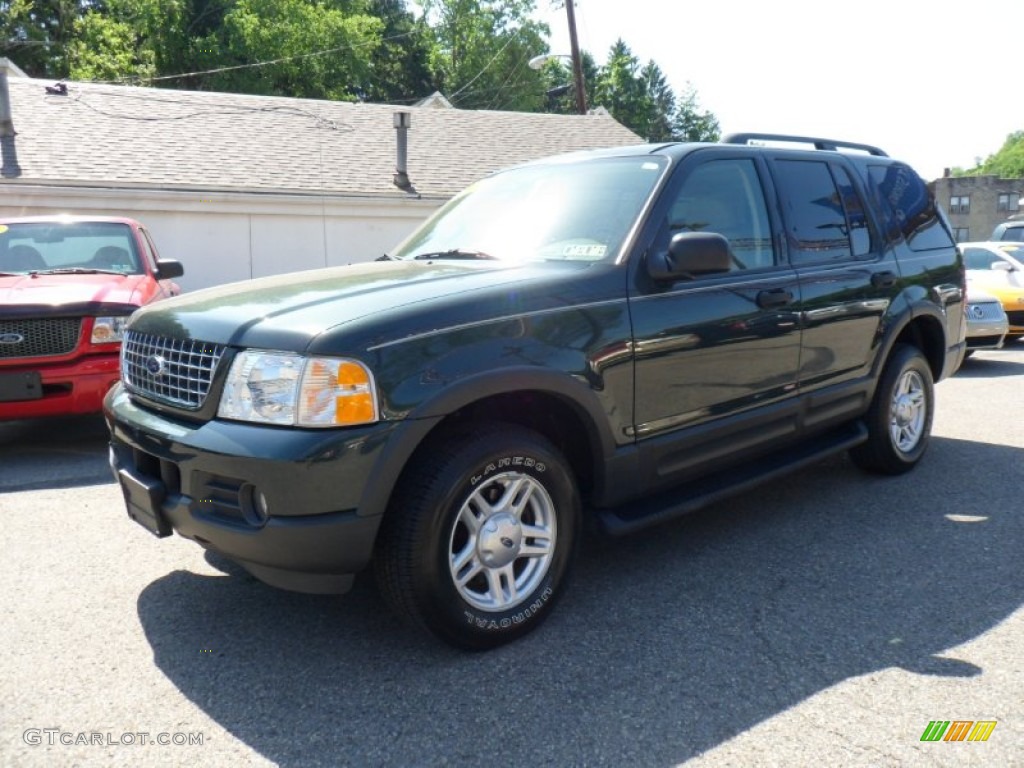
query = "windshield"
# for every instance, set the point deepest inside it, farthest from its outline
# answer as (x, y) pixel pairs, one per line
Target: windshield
(566, 211)
(73, 247)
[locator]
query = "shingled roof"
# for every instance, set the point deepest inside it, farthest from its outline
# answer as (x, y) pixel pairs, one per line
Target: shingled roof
(123, 136)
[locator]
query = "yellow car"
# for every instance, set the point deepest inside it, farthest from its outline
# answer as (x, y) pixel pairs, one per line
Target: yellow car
(998, 269)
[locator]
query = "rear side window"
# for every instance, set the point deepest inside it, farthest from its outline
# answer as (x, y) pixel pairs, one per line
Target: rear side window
(817, 227)
(908, 207)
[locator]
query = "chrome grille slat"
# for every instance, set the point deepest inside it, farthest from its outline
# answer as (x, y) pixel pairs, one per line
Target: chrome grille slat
(185, 374)
(41, 337)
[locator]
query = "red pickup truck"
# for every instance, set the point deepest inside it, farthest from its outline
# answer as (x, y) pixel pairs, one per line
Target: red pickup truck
(67, 287)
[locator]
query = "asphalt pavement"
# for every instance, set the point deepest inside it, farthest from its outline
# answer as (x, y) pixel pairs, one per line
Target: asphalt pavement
(824, 619)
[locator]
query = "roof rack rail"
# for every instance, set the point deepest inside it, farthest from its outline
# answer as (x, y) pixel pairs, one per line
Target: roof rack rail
(818, 143)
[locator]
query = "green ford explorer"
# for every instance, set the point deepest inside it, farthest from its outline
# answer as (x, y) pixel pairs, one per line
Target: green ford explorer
(609, 338)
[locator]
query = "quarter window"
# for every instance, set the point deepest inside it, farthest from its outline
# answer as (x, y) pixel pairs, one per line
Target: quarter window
(962, 234)
(908, 207)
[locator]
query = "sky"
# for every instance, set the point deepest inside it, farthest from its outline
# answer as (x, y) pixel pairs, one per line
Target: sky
(935, 84)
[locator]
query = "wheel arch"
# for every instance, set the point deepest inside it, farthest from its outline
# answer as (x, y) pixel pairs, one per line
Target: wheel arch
(562, 409)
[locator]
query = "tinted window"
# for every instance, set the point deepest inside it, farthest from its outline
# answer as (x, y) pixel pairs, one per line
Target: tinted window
(909, 208)
(857, 220)
(815, 217)
(725, 196)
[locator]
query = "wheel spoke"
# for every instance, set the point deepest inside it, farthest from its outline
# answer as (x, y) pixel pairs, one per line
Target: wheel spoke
(501, 586)
(514, 499)
(461, 559)
(541, 541)
(473, 513)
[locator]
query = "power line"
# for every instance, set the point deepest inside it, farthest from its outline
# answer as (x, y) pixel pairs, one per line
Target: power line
(234, 67)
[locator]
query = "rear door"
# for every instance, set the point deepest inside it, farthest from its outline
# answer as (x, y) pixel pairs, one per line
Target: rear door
(847, 276)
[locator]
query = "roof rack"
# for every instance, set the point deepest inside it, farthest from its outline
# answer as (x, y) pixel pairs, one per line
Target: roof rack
(818, 143)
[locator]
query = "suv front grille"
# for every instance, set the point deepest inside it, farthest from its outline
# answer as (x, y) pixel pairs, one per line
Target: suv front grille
(39, 337)
(173, 371)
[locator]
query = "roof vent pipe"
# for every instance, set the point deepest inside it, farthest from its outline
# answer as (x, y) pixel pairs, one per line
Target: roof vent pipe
(6, 121)
(403, 121)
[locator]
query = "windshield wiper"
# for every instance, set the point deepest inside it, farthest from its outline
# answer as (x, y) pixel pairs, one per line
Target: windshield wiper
(75, 271)
(454, 253)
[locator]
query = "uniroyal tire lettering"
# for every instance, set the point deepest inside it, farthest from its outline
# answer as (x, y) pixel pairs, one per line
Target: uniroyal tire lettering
(516, 618)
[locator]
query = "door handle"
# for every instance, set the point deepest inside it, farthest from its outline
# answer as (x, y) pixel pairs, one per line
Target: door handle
(884, 279)
(777, 297)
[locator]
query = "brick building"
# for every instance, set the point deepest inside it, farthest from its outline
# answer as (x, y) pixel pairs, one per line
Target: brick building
(975, 204)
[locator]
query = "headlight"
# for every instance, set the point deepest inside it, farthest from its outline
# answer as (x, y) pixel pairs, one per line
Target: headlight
(290, 389)
(108, 330)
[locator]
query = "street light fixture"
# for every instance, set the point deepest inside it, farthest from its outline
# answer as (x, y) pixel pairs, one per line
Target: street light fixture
(538, 62)
(577, 67)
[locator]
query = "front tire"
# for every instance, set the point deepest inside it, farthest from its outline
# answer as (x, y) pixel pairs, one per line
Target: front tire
(479, 536)
(899, 420)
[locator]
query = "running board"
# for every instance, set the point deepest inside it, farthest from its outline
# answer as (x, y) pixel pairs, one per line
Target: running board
(698, 493)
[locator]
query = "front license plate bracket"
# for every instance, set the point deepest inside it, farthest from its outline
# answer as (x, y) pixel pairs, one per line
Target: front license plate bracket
(143, 497)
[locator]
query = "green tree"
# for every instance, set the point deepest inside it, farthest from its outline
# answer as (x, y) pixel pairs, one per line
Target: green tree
(642, 100)
(481, 53)
(620, 89)
(690, 122)
(400, 65)
(35, 33)
(1007, 163)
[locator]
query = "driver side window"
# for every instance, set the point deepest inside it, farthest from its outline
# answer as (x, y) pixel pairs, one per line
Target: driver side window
(725, 196)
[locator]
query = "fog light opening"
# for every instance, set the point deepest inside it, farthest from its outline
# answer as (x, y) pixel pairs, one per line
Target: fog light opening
(255, 508)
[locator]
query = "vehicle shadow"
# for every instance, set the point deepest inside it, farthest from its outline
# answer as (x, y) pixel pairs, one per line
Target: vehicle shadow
(56, 452)
(667, 643)
(986, 365)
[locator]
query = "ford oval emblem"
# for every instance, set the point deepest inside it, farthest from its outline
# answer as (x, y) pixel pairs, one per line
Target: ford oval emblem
(155, 365)
(11, 338)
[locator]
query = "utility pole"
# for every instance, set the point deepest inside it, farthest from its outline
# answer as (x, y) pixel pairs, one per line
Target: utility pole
(577, 65)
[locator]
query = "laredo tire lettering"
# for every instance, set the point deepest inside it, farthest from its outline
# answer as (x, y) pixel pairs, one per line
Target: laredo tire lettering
(515, 461)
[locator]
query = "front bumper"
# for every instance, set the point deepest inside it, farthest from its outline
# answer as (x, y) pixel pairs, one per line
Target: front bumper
(72, 388)
(201, 480)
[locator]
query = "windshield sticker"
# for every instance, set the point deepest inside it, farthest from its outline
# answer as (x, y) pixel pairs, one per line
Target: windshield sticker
(585, 251)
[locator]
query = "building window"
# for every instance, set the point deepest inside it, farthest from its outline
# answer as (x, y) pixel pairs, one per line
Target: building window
(962, 234)
(961, 204)
(1008, 201)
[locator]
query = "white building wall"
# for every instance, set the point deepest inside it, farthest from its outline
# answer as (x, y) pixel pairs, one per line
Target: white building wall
(226, 237)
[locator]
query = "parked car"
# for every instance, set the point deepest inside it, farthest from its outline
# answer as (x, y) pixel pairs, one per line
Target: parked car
(67, 287)
(987, 323)
(998, 268)
(611, 338)
(1013, 230)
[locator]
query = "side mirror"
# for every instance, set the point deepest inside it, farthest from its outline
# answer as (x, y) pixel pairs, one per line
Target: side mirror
(1002, 266)
(691, 254)
(167, 269)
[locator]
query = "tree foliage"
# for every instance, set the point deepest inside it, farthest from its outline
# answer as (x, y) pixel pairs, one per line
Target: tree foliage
(1007, 163)
(481, 53)
(476, 52)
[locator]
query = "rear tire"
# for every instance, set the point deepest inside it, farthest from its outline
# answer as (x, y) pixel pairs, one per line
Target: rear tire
(899, 420)
(479, 536)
